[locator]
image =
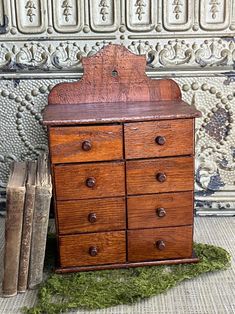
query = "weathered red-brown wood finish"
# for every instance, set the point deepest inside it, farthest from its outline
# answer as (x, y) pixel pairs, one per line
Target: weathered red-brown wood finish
(122, 154)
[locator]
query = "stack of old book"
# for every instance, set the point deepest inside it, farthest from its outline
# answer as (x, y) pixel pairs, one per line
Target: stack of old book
(28, 197)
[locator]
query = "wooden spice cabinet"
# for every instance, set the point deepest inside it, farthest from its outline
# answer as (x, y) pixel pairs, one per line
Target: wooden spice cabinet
(122, 156)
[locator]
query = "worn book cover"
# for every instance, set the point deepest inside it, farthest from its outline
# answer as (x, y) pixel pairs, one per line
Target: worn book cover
(43, 195)
(27, 226)
(15, 195)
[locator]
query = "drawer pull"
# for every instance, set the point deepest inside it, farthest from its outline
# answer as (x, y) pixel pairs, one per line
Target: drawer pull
(86, 146)
(90, 182)
(160, 245)
(93, 251)
(92, 217)
(161, 177)
(160, 140)
(161, 212)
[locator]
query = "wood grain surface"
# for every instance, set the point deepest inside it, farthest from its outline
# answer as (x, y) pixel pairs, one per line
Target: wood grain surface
(191, 259)
(70, 180)
(159, 138)
(91, 215)
(142, 243)
(114, 74)
(160, 210)
(122, 149)
(75, 249)
(83, 144)
(141, 175)
(118, 112)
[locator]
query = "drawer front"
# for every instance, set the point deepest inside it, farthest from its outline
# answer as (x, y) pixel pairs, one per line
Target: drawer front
(161, 243)
(82, 144)
(159, 138)
(93, 249)
(91, 215)
(160, 210)
(89, 180)
(160, 175)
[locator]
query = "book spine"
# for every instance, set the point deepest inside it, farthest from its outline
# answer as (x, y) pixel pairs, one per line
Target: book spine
(13, 230)
(26, 239)
(39, 236)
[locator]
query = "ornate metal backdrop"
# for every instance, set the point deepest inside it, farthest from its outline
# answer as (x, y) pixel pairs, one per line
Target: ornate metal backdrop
(42, 42)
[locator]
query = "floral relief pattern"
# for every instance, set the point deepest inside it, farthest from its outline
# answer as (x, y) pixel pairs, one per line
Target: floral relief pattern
(214, 8)
(198, 19)
(179, 52)
(104, 9)
(215, 136)
(177, 5)
(67, 8)
(140, 4)
(215, 158)
(31, 56)
(68, 54)
(30, 7)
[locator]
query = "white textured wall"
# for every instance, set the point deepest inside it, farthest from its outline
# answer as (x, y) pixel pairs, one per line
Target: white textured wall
(42, 42)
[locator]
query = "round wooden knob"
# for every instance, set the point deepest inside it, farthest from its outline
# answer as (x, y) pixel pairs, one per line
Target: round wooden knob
(93, 251)
(160, 245)
(161, 177)
(161, 212)
(92, 217)
(160, 140)
(86, 146)
(90, 182)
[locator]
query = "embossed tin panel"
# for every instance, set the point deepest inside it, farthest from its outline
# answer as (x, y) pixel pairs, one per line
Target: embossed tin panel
(215, 14)
(67, 15)
(2, 12)
(104, 15)
(4, 16)
(135, 19)
(141, 15)
(42, 43)
(178, 15)
(31, 16)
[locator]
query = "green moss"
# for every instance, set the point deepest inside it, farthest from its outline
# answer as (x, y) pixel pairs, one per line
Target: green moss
(101, 289)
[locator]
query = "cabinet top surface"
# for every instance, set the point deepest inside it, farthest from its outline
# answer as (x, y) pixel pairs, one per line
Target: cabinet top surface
(115, 88)
(118, 112)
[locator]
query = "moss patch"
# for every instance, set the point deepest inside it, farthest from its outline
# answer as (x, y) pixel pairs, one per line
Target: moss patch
(101, 289)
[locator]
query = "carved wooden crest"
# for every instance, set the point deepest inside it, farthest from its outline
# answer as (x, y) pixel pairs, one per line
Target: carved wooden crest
(114, 74)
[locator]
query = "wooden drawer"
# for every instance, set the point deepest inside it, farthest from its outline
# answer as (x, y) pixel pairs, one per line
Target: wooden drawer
(82, 144)
(82, 181)
(159, 138)
(91, 215)
(160, 175)
(160, 210)
(160, 243)
(93, 249)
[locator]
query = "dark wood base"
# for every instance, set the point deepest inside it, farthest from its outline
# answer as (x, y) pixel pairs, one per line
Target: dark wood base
(192, 259)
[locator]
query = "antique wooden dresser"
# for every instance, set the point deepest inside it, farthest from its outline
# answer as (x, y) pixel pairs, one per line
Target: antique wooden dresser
(122, 155)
